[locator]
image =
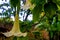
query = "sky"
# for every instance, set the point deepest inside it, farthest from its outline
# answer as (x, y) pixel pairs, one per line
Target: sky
(1, 2)
(21, 17)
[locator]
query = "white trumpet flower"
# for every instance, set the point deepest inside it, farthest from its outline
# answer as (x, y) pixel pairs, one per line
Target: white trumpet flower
(28, 5)
(16, 29)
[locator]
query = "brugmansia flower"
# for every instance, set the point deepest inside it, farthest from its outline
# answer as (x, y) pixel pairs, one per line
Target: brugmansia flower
(28, 5)
(16, 29)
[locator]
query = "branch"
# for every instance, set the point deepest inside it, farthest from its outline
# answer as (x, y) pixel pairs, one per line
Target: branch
(33, 26)
(27, 14)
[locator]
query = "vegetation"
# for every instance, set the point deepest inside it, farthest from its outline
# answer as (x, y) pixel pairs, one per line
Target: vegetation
(45, 23)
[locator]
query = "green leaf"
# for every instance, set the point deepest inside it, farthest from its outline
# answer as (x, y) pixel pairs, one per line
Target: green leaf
(53, 28)
(57, 2)
(36, 12)
(38, 2)
(23, 38)
(15, 3)
(51, 34)
(58, 26)
(50, 9)
(15, 38)
(59, 17)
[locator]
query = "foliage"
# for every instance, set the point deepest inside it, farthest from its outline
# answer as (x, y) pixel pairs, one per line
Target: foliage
(26, 26)
(44, 23)
(38, 2)
(50, 9)
(14, 3)
(36, 12)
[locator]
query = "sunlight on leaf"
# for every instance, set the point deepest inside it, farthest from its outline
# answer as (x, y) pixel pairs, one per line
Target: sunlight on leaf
(42, 14)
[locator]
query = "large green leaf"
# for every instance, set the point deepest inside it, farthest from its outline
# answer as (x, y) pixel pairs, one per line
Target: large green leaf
(57, 1)
(50, 9)
(15, 3)
(36, 12)
(58, 26)
(51, 34)
(38, 1)
(53, 27)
